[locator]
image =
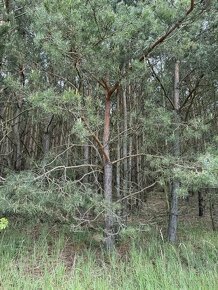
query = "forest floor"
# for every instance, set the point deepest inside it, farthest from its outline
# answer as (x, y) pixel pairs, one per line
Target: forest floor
(42, 257)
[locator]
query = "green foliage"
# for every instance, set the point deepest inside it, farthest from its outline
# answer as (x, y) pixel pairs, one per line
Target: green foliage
(193, 173)
(194, 129)
(52, 102)
(63, 201)
(4, 28)
(80, 130)
(3, 223)
(203, 174)
(157, 125)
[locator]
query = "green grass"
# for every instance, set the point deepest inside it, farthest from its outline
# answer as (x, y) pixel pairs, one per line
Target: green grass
(46, 260)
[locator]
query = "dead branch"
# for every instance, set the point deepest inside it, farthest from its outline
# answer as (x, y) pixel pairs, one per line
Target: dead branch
(137, 192)
(60, 167)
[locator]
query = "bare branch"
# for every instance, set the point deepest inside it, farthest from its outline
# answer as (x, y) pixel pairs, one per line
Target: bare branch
(137, 192)
(2, 179)
(89, 173)
(162, 86)
(135, 155)
(18, 115)
(60, 167)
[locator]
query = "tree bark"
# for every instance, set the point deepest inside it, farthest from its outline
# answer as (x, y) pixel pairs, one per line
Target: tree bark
(46, 136)
(130, 148)
(173, 216)
(125, 151)
(118, 153)
(109, 240)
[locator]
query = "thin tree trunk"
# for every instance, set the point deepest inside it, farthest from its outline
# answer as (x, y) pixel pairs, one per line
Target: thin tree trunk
(86, 161)
(130, 159)
(8, 146)
(18, 155)
(200, 203)
(46, 142)
(139, 200)
(118, 153)
(213, 206)
(173, 217)
(46, 137)
(125, 150)
(17, 139)
(86, 146)
(109, 241)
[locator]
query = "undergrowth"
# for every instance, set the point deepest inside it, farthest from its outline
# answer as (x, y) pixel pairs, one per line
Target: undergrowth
(49, 258)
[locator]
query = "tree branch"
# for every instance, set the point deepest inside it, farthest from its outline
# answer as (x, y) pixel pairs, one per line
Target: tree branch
(137, 192)
(135, 155)
(162, 38)
(65, 168)
(100, 145)
(191, 92)
(162, 86)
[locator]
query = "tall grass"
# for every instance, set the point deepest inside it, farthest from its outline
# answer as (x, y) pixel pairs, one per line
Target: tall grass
(55, 261)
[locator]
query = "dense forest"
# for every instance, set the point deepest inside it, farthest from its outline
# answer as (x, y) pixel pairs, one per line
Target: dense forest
(109, 118)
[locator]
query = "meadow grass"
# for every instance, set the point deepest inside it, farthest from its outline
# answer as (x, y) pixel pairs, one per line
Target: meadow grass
(49, 260)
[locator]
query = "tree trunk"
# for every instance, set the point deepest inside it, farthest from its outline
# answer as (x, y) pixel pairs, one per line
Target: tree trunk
(139, 200)
(125, 151)
(18, 155)
(45, 142)
(118, 153)
(213, 206)
(109, 240)
(130, 153)
(86, 161)
(200, 203)
(173, 216)
(46, 136)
